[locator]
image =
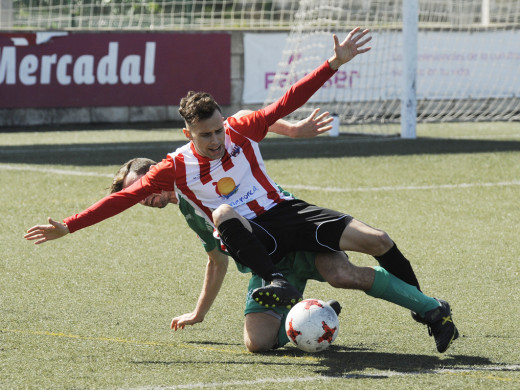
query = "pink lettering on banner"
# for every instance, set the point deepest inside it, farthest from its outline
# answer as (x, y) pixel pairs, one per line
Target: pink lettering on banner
(341, 79)
(83, 70)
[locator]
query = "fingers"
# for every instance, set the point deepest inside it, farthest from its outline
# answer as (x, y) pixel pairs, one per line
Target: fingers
(363, 43)
(33, 236)
(177, 324)
(324, 129)
(34, 233)
(354, 37)
(352, 33)
(34, 228)
(321, 119)
(314, 113)
(53, 222)
(336, 40)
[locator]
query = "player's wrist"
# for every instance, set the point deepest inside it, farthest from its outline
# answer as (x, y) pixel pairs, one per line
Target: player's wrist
(334, 63)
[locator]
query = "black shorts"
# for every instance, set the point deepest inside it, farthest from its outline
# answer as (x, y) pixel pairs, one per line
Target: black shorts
(296, 225)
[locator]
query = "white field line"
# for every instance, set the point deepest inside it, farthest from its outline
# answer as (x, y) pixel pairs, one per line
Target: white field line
(401, 188)
(381, 374)
(7, 167)
(68, 148)
(29, 168)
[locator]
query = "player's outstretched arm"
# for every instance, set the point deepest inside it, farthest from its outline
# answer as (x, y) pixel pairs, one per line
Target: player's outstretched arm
(351, 46)
(309, 127)
(216, 269)
(44, 233)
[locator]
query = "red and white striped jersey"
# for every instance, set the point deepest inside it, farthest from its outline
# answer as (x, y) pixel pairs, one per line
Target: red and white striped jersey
(238, 178)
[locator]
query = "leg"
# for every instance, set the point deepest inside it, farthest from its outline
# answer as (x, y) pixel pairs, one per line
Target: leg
(236, 233)
(244, 246)
(360, 237)
(339, 272)
(261, 332)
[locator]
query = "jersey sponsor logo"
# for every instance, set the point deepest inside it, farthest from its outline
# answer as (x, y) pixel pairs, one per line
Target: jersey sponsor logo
(226, 187)
(244, 198)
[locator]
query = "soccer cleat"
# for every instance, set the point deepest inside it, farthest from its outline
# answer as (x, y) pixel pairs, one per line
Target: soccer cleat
(441, 326)
(335, 305)
(417, 317)
(279, 293)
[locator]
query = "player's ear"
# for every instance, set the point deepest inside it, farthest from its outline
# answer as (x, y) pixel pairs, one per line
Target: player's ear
(187, 133)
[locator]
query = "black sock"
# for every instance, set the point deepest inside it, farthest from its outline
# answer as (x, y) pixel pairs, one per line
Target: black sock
(245, 248)
(395, 263)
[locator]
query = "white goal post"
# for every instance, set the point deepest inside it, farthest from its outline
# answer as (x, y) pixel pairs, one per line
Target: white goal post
(431, 61)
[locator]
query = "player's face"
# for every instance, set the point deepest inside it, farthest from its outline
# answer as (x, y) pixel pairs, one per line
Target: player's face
(208, 136)
(154, 200)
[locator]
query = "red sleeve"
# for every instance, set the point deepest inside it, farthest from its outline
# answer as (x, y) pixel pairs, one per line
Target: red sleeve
(160, 177)
(252, 126)
(298, 94)
(256, 124)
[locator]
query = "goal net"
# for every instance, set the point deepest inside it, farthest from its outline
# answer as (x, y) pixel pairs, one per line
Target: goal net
(467, 57)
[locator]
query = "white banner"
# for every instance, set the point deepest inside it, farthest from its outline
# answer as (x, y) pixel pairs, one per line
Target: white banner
(262, 52)
(451, 65)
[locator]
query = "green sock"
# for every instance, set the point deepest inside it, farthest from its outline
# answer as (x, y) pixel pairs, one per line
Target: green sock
(386, 286)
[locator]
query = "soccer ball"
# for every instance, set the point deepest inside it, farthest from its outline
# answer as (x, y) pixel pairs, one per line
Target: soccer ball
(312, 325)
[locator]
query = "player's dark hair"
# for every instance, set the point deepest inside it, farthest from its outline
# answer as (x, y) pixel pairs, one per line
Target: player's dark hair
(197, 106)
(139, 166)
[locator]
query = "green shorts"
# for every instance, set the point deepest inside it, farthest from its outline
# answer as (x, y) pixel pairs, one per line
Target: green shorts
(297, 267)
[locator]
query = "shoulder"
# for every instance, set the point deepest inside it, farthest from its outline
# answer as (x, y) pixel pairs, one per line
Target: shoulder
(162, 175)
(252, 125)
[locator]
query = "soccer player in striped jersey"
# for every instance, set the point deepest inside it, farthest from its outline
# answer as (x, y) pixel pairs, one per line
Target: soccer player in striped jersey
(264, 328)
(221, 174)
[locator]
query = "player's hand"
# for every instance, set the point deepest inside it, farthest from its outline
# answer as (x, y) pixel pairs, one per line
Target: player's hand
(44, 233)
(312, 125)
(185, 319)
(352, 46)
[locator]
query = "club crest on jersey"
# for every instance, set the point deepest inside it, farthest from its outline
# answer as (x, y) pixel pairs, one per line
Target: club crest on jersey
(225, 187)
(235, 151)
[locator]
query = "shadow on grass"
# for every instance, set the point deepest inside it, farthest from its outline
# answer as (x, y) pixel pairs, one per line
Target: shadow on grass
(341, 362)
(272, 148)
(348, 362)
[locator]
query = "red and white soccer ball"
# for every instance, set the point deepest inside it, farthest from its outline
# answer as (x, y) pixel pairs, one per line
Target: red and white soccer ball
(312, 325)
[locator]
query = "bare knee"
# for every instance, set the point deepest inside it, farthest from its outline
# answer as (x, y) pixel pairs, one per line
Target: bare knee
(258, 346)
(223, 213)
(363, 238)
(382, 243)
(261, 332)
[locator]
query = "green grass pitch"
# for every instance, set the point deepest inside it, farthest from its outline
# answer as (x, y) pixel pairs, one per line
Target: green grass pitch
(92, 310)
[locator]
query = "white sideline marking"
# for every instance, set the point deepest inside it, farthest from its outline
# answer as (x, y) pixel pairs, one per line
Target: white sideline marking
(381, 374)
(8, 167)
(51, 170)
(68, 148)
(401, 188)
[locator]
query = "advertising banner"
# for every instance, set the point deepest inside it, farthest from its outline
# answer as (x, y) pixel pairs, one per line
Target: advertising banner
(60, 69)
(451, 65)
